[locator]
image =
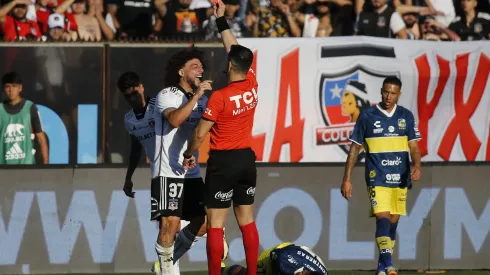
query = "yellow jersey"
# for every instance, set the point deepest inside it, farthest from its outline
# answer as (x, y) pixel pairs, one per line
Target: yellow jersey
(264, 265)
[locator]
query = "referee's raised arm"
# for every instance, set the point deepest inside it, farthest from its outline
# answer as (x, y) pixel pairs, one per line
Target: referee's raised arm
(223, 27)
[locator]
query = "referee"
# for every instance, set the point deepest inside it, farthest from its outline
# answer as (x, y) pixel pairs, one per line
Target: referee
(231, 173)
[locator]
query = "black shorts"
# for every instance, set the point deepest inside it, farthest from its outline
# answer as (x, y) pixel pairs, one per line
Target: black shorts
(230, 175)
(177, 197)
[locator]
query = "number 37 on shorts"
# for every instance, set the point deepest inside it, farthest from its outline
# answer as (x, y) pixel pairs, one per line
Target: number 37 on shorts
(387, 199)
(167, 197)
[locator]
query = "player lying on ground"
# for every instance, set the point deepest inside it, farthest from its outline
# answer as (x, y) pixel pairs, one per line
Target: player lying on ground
(284, 259)
(231, 174)
(140, 124)
(388, 132)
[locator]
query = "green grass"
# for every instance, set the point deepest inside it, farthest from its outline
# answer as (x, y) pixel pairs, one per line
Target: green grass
(463, 272)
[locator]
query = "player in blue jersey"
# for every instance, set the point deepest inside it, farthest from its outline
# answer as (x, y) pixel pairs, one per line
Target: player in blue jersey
(389, 134)
(284, 259)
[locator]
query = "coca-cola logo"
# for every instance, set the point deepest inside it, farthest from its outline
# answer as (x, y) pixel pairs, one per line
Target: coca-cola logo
(251, 191)
(224, 196)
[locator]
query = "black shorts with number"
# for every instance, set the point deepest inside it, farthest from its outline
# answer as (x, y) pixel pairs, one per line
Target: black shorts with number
(177, 197)
(230, 175)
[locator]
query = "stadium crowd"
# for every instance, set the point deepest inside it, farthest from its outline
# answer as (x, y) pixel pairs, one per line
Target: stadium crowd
(193, 20)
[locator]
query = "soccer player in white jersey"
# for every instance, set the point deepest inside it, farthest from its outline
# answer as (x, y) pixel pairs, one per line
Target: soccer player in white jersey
(140, 124)
(178, 193)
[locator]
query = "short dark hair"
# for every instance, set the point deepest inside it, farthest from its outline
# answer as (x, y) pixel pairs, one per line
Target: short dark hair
(392, 80)
(241, 58)
(128, 80)
(11, 78)
(177, 62)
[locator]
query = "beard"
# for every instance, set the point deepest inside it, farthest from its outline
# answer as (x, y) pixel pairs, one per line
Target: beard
(193, 82)
(410, 24)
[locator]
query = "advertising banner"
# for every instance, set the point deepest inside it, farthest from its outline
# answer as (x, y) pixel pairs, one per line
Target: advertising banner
(80, 221)
(312, 90)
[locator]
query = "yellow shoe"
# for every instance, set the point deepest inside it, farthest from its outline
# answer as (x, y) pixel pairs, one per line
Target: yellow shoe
(223, 268)
(156, 268)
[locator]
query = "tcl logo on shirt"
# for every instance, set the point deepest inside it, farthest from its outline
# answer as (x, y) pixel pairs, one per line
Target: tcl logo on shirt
(249, 98)
(232, 109)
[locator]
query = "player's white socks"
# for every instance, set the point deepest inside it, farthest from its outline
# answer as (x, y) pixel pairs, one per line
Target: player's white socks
(176, 269)
(165, 257)
(184, 240)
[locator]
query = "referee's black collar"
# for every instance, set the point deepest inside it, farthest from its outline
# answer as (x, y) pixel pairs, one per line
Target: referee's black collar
(238, 81)
(187, 95)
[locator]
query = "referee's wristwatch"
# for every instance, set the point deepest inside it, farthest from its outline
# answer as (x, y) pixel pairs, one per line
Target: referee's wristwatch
(187, 156)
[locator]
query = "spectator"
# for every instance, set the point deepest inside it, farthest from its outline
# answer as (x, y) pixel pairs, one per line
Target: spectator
(88, 25)
(472, 24)
(436, 31)
(44, 8)
(182, 23)
(56, 29)
(133, 19)
(235, 23)
(342, 12)
(19, 119)
(15, 25)
(410, 16)
(361, 5)
(446, 7)
(412, 26)
(105, 20)
(381, 21)
(274, 21)
(318, 23)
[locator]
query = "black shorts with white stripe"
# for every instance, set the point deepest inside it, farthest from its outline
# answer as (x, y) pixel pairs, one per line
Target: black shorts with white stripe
(177, 197)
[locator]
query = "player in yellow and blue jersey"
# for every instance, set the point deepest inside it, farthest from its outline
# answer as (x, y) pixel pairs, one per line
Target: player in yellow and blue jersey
(284, 259)
(389, 135)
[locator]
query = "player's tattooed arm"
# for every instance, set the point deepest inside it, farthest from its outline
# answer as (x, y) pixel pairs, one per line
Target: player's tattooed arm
(346, 188)
(415, 172)
(415, 153)
(351, 160)
(176, 117)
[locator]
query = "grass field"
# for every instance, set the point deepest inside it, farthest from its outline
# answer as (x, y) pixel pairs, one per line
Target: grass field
(464, 272)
